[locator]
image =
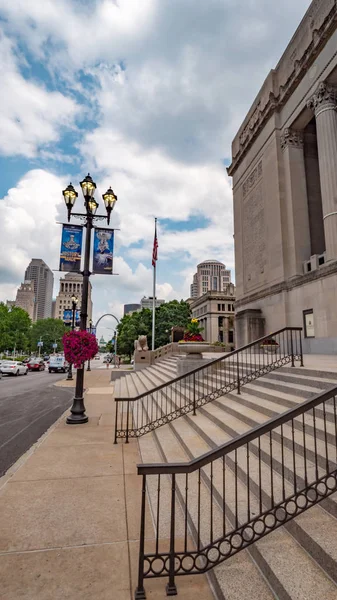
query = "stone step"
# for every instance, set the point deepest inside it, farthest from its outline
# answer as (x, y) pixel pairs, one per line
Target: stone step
(279, 570)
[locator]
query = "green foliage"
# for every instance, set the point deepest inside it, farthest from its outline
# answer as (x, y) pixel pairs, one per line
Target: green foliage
(15, 324)
(50, 331)
(168, 315)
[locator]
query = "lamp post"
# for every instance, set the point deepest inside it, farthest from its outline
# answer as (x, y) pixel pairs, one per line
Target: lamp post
(90, 331)
(74, 302)
(88, 187)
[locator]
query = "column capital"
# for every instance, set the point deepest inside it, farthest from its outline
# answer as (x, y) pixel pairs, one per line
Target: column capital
(291, 137)
(324, 98)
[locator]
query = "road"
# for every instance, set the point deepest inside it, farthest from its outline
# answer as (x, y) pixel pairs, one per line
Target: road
(28, 406)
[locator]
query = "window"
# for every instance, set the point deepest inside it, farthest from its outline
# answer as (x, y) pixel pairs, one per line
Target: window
(309, 326)
(230, 337)
(223, 307)
(229, 307)
(219, 306)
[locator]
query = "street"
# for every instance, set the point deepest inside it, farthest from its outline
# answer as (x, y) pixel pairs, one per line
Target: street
(28, 406)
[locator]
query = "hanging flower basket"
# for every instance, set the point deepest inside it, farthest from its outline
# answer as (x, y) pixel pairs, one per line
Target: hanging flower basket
(79, 346)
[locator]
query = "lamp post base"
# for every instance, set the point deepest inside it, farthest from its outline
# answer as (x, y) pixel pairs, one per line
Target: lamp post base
(78, 416)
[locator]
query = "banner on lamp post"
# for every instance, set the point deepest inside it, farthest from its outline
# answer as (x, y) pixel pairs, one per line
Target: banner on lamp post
(68, 316)
(71, 248)
(103, 251)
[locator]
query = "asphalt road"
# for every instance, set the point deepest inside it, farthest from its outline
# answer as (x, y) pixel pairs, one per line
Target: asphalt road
(28, 406)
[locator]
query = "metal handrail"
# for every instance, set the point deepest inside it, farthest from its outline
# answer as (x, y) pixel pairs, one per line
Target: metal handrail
(211, 362)
(188, 392)
(234, 495)
(240, 440)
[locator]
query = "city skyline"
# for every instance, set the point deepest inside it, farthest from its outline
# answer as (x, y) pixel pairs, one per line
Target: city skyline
(133, 113)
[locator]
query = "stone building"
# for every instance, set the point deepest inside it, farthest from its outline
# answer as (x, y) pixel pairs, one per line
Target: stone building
(215, 313)
(25, 298)
(71, 285)
(284, 169)
(42, 278)
(211, 275)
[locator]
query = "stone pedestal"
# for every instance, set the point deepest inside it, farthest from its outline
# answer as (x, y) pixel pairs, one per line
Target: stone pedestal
(193, 358)
(142, 359)
(324, 104)
(250, 326)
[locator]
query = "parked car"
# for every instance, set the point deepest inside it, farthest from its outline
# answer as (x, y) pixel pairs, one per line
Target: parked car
(58, 364)
(97, 357)
(13, 367)
(46, 358)
(36, 364)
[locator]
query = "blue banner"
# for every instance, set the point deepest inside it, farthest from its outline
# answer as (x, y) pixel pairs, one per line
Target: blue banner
(103, 251)
(68, 316)
(71, 248)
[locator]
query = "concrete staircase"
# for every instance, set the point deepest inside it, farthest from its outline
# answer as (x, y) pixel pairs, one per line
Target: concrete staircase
(297, 561)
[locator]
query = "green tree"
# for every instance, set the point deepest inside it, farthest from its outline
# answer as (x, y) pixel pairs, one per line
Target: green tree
(50, 331)
(168, 315)
(15, 325)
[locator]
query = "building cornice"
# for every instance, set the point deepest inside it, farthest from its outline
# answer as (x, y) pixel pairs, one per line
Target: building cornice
(317, 26)
(286, 286)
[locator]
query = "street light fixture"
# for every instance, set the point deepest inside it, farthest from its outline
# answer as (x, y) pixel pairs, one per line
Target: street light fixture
(88, 187)
(74, 302)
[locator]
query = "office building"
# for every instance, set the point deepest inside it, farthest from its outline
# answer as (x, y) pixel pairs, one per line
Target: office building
(211, 275)
(148, 302)
(42, 279)
(71, 285)
(215, 313)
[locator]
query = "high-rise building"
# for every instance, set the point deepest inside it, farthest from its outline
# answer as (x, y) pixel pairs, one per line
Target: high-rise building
(71, 285)
(42, 279)
(148, 302)
(25, 297)
(131, 308)
(211, 276)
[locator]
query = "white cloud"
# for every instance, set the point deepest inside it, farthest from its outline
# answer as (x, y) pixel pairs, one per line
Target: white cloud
(30, 116)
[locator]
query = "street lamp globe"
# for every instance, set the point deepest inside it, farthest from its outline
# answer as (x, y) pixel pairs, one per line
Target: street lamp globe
(88, 187)
(70, 196)
(74, 299)
(109, 200)
(92, 206)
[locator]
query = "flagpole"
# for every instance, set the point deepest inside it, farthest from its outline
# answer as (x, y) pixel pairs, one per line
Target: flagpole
(154, 263)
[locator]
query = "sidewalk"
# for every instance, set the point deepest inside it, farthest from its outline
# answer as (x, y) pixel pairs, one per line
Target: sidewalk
(69, 514)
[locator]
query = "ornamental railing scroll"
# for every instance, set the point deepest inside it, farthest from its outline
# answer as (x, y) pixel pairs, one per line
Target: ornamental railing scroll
(184, 394)
(224, 501)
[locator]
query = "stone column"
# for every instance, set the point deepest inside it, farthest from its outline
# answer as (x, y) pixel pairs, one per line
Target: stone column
(297, 234)
(324, 104)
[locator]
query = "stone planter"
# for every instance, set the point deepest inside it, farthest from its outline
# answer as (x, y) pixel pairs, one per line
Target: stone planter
(194, 349)
(270, 348)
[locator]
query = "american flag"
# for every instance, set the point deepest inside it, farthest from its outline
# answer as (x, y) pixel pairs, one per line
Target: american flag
(155, 247)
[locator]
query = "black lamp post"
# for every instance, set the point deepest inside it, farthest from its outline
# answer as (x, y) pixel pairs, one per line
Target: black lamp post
(88, 186)
(74, 302)
(90, 331)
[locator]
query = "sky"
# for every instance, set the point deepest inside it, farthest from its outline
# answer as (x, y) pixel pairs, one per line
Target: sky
(146, 95)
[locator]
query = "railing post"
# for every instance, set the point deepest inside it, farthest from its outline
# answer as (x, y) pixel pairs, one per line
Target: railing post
(238, 373)
(140, 591)
(292, 348)
(127, 424)
(301, 349)
(116, 417)
(171, 589)
(194, 406)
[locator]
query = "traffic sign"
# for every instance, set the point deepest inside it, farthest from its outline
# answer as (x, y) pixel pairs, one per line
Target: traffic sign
(39, 344)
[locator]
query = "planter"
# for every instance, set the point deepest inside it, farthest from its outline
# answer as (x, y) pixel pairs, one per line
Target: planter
(194, 348)
(270, 348)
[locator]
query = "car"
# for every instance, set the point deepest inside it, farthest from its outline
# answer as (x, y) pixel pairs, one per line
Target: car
(36, 364)
(46, 358)
(97, 357)
(13, 367)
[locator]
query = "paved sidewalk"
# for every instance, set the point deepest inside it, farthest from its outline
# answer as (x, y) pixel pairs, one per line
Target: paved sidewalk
(69, 514)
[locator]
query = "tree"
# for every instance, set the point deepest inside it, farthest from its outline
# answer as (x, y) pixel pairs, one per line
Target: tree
(15, 324)
(168, 315)
(50, 331)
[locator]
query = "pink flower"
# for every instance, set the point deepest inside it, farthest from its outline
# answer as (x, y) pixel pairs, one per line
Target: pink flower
(79, 346)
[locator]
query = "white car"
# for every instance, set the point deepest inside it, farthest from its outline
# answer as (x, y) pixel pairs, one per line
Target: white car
(13, 367)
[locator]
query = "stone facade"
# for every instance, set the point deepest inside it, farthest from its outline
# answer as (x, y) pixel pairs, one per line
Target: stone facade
(284, 169)
(25, 298)
(71, 285)
(42, 279)
(215, 313)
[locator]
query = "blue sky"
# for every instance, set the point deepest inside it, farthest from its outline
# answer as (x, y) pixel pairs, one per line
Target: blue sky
(147, 96)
